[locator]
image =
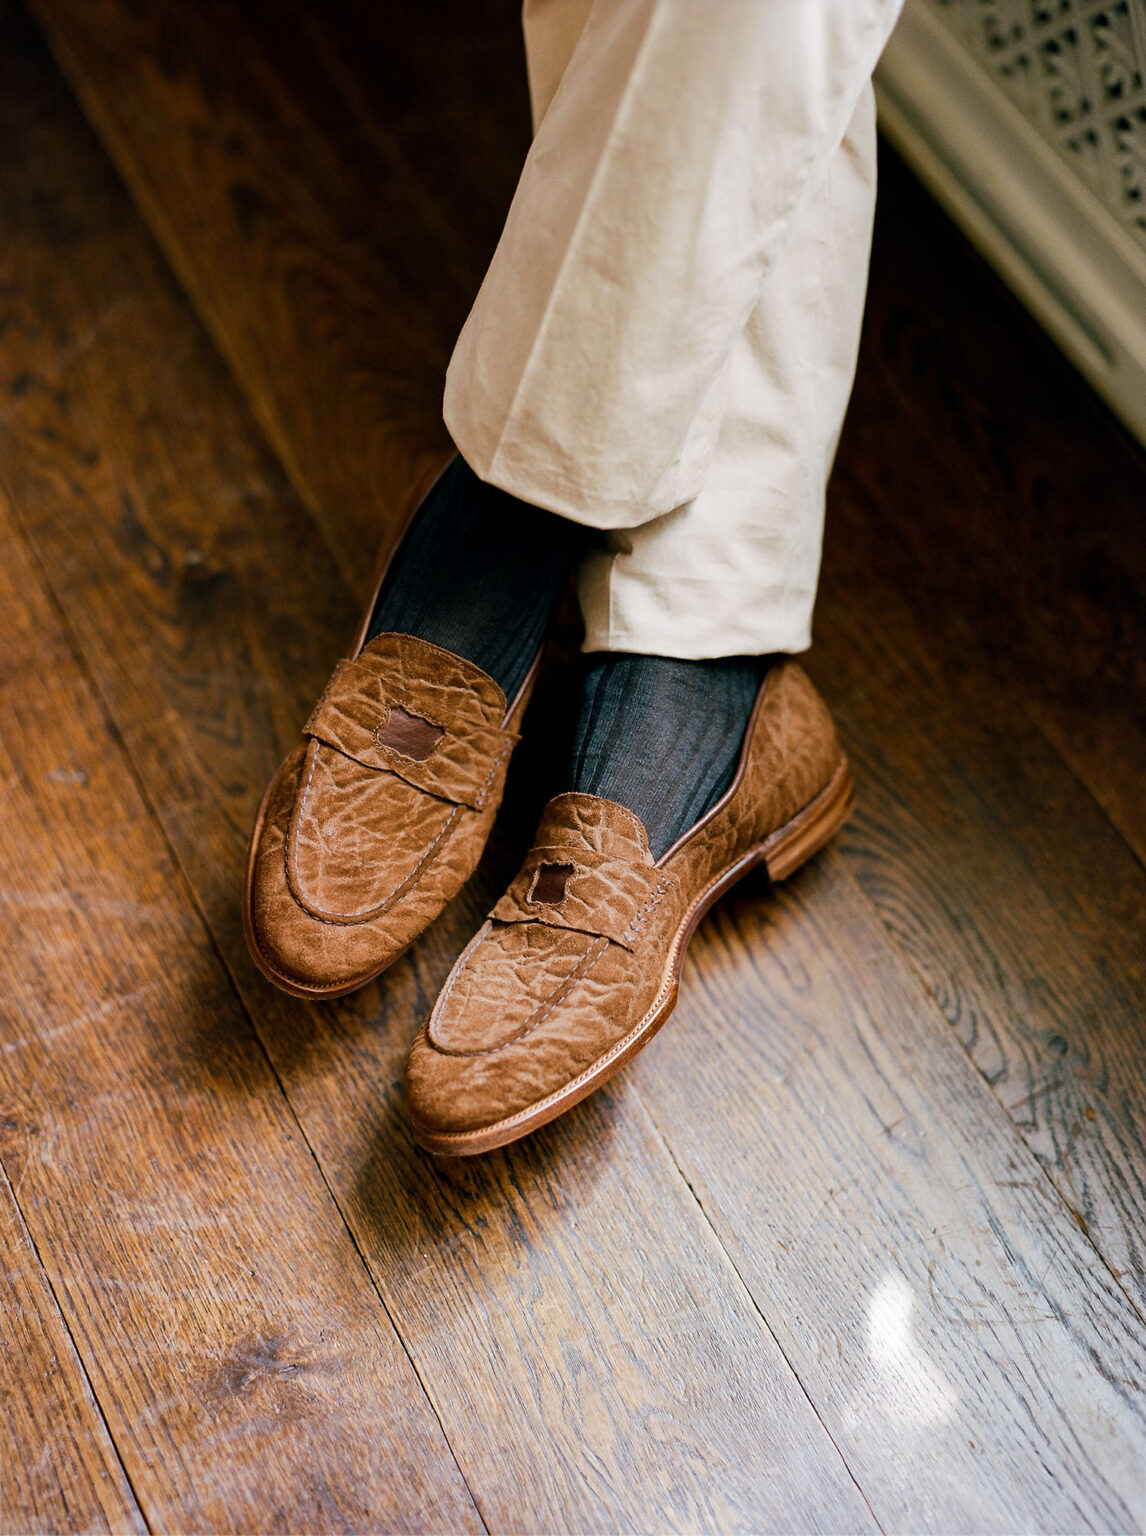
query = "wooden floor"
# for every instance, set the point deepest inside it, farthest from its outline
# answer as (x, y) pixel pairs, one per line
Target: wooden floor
(859, 1243)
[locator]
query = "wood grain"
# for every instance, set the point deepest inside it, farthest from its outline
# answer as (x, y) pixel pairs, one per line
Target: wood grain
(1002, 880)
(954, 1327)
(988, 553)
(59, 1470)
(437, 108)
(592, 1355)
(1044, 486)
(301, 268)
(972, 1356)
(247, 1372)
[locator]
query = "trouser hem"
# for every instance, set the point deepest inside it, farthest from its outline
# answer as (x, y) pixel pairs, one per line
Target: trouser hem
(589, 508)
(677, 642)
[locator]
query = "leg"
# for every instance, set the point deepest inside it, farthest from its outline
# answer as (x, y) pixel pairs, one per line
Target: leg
(656, 320)
(735, 569)
(663, 350)
(683, 146)
(732, 574)
(479, 571)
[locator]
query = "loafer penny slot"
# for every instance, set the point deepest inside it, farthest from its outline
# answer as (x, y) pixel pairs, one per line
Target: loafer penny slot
(548, 888)
(408, 735)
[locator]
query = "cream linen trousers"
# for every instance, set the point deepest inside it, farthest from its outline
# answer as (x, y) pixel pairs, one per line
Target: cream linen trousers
(665, 341)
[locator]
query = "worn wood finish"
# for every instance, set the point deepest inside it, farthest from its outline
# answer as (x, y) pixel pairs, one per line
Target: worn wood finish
(250, 198)
(1080, 1033)
(1047, 577)
(1007, 887)
(941, 1303)
(59, 1470)
(333, 69)
(212, 1289)
(436, 106)
(972, 1356)
(593, 1356)
(600, 1317)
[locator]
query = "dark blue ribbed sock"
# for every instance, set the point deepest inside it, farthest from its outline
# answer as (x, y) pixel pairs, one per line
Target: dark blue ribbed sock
(479, 573)
(662, 736)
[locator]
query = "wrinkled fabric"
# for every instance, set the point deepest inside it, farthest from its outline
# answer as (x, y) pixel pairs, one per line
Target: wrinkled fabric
(665, 341)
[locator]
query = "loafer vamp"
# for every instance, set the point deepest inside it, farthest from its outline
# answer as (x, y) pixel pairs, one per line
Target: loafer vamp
(528, 1009)
(571, 959)
(513, 979)
(316, 956)
(359, 839)
(378, 816)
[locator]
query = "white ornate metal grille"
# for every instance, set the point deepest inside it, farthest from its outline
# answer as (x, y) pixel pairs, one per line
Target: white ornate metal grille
(1076, 69)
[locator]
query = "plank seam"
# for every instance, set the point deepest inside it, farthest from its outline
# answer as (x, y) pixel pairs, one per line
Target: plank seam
(753, 1303)
(66, 1326)
(191, 897)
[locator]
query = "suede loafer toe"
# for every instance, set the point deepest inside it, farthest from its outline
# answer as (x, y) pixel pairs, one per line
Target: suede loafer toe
(579, 963)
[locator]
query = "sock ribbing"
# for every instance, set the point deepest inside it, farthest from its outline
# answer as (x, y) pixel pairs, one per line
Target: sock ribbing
(479, 573)
(662, 736)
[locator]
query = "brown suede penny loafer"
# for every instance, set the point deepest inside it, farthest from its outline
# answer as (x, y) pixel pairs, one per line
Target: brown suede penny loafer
(579, 963)
(379, 814)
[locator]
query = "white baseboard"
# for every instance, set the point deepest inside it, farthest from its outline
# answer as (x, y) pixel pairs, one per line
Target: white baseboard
(1079, 272)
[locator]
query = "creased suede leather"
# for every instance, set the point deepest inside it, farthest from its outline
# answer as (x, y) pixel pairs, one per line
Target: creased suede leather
(534, 1003)
(604, 896)
(465, 704)
(357, 854)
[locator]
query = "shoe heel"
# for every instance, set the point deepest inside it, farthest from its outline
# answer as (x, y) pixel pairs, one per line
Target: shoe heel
(814, 826)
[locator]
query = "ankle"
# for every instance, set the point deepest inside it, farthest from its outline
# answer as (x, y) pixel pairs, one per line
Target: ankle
(662, 736)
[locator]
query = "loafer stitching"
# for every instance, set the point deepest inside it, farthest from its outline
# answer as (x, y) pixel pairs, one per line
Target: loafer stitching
(363, 915)
(642, 917)
(480, 797)
(539, 1015)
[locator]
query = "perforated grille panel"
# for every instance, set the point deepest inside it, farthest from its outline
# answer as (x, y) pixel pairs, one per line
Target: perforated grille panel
(1076, 69)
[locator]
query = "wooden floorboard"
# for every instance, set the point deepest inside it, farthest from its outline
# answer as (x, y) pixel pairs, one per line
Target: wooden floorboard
(973, 1357)
(1022, 1034)
(917, 1134)
(1006, 885)
(591, 1352)
(200, 1264)
(249, 197)
(1047, 576)
(59, 1470)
